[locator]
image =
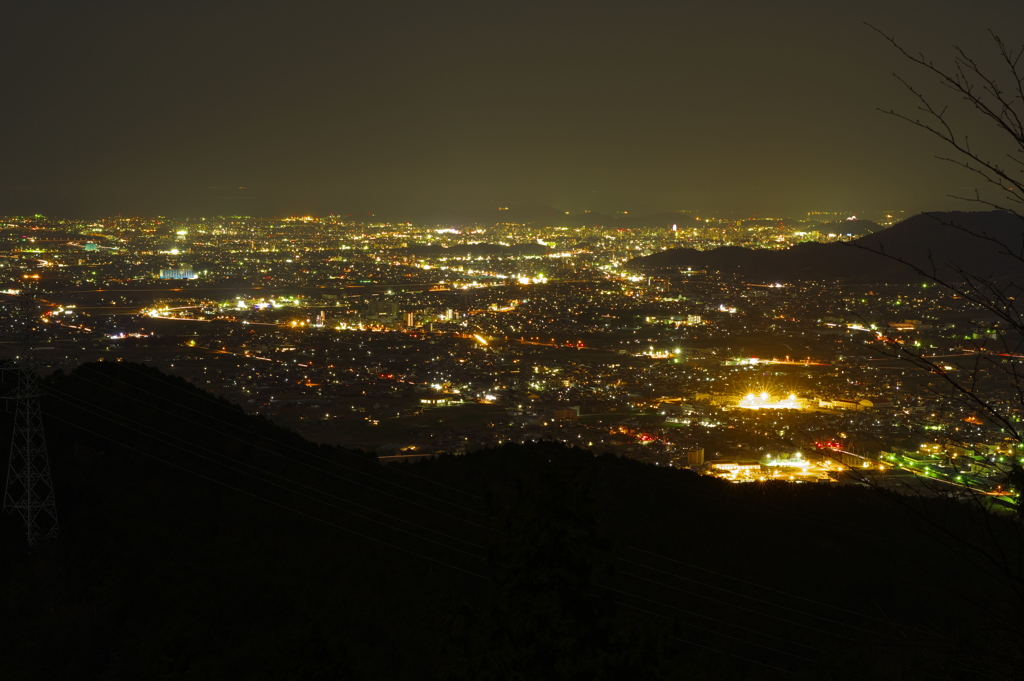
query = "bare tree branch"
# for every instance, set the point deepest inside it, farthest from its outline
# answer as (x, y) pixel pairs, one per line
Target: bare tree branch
(998, 107)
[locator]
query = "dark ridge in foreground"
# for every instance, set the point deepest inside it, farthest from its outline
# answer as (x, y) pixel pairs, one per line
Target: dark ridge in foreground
(971, 241)
(200, 542)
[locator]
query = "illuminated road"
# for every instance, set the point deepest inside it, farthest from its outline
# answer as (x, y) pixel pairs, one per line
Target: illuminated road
(186, 319)
(919, 475)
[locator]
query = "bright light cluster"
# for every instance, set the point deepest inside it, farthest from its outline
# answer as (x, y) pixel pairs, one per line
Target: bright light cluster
(765, 401)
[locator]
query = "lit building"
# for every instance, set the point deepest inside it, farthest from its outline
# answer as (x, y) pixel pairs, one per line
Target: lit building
(765, 401)
(183, 272)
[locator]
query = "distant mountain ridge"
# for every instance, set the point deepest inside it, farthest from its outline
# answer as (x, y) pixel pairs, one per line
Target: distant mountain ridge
(546, 215)
(966, 240)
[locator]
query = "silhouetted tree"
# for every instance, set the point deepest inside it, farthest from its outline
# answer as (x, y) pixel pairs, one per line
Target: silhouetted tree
(987, 100)
(979, 99)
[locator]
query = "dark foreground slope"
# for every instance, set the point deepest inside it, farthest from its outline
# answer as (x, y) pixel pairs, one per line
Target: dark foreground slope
(198, 542)
(968, 240)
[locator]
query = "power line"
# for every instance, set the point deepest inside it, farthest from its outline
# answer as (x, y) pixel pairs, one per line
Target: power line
(103, 413)
(201, 394)
(718, 621)
(733, 605)
(700, 645)
(477, 545)
(778, 591)
(694, 614)
(902, 541)
(431, 559)
(206, 396)
(482, 548)
(318, 469)
(278, 504)
(293, 491)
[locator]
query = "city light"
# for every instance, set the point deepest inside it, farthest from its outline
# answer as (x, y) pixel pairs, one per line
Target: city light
(764, 400)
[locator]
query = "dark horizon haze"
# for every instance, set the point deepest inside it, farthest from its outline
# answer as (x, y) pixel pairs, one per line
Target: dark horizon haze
(273, 108)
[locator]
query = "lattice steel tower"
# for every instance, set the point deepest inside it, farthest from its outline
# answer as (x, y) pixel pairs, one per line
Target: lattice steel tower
(29, 489)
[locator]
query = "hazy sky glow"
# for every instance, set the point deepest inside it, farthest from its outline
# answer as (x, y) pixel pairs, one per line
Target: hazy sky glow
(318, 107)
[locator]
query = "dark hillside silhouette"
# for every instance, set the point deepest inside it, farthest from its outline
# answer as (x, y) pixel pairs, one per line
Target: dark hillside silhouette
(201, 542)
(922, 240)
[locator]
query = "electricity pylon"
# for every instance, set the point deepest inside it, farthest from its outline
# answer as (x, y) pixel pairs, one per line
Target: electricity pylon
(29, 489)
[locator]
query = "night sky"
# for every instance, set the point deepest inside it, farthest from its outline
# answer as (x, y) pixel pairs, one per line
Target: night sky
(396, 107)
